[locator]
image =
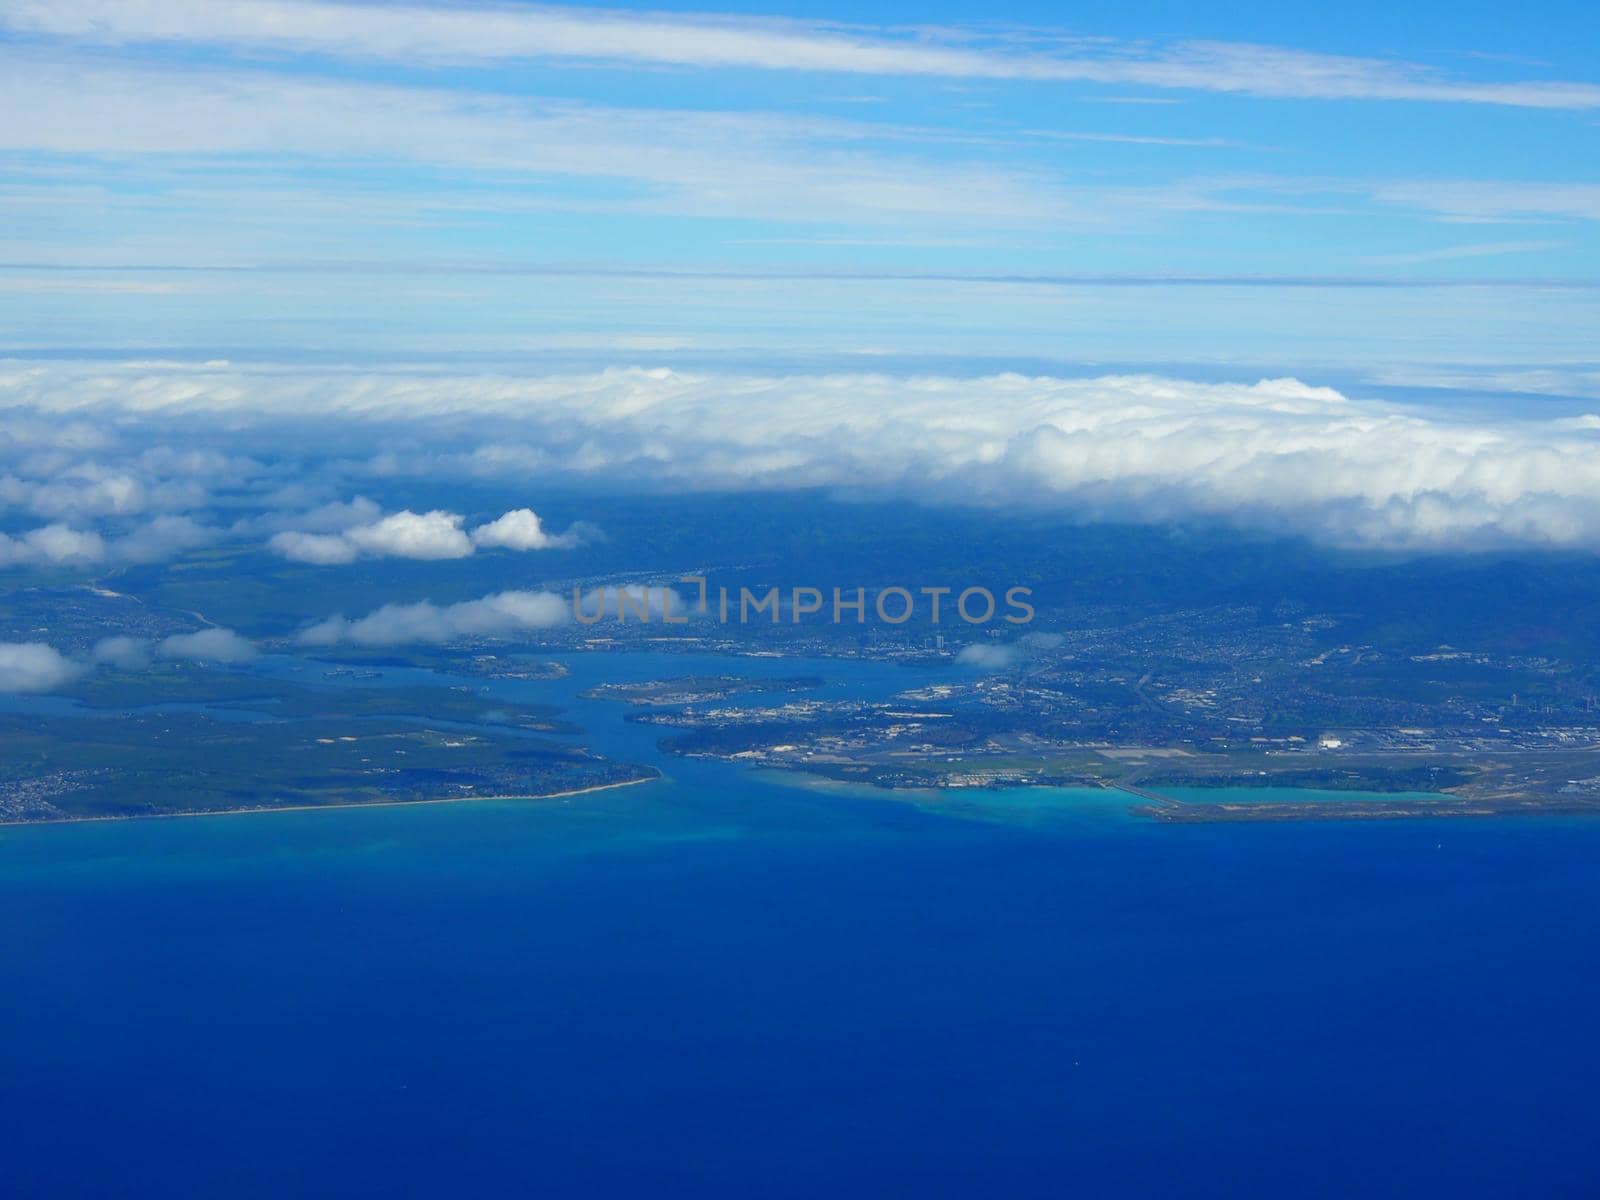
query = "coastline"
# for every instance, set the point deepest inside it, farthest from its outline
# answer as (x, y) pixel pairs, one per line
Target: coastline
(236, 812)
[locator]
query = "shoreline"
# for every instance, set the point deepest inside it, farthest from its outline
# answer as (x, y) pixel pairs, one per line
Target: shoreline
(239, 812)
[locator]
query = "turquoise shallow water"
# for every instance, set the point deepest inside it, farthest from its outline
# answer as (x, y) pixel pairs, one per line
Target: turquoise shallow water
(1282, 795)
(721, 985)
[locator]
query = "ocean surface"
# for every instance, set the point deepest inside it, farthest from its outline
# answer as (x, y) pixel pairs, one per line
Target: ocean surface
(723, 984)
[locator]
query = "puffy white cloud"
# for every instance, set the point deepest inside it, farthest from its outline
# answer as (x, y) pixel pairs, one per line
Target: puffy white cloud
(208, 645)
(430, 536)
(34, 667)
(500, 615)
(521, 529)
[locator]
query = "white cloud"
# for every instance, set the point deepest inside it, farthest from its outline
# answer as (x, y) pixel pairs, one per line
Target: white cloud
(52, 545)
(208, 645)
(34, 667)
(1453, 253)
(521, 529)
(80, 490)
(213, 645)
(1278, 453)
(430, 536)
(987, 657)
(61, 545)
(1001, 656)
(78, 437)
(500, 615)
(37, 667)
(162, 538)
(685, 161)
(1473, 199)
(54, 484)
(124, 653)
(414, 34)
(632, 162)
(324, 549)
(332, 517)
(49, 285)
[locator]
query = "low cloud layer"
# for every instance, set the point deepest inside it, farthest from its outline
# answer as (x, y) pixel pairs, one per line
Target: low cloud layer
(500, 615)
(39, 667)
(521, 529)
(34, 667)
(986, 657)
(52, 544)
(1002, 656)
(207, 646)
(60, 545)
(1278, 454)
(214, 645)
(428, 536)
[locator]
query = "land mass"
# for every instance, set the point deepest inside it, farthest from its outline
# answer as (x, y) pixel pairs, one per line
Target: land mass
(210, 741)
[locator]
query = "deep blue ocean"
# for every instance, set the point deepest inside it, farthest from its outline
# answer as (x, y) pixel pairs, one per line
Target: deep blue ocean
(721, 984)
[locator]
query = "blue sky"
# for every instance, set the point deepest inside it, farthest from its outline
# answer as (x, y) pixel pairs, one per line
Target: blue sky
(1367, 187)
(1326, 270)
